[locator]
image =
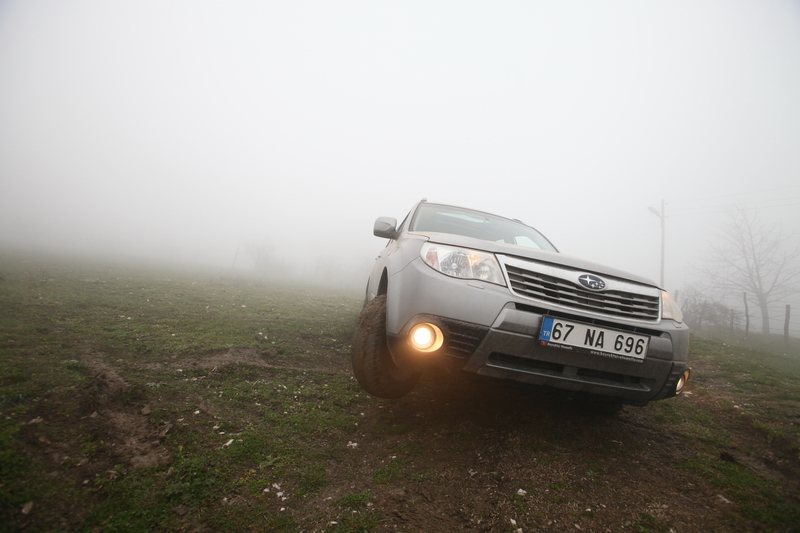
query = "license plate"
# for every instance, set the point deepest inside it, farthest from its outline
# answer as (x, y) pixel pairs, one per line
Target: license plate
(590, 339)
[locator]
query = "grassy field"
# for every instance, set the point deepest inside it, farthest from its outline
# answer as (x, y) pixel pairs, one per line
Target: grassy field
(137, 398)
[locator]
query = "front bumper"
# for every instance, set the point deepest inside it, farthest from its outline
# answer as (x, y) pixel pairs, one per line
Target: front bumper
(490, 331)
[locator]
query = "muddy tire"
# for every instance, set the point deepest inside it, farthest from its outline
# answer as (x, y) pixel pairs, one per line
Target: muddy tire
(373, 365)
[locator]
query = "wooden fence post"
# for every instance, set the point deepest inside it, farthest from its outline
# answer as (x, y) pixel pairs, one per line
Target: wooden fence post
(746, 316)
(786, 324)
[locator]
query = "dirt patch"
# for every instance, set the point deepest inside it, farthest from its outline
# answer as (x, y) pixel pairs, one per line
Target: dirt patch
(100, 430)
(266, 359)
(129, 435)
(135, 440)
(106, 385)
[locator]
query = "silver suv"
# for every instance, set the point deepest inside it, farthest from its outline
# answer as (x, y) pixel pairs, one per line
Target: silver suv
(492, 296)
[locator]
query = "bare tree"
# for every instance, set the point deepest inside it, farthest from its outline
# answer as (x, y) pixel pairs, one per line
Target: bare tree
(702, 311)
(752, 258)
(262, 252)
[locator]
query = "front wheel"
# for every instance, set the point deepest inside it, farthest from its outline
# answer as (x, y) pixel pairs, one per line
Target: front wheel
(373, 365)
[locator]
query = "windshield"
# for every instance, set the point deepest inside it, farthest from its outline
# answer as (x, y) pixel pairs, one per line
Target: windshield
(458, 221)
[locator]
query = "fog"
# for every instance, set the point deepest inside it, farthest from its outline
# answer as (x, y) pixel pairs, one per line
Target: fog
(192, 130)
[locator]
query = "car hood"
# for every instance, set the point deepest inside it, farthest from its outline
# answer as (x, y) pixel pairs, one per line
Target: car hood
(545, 256)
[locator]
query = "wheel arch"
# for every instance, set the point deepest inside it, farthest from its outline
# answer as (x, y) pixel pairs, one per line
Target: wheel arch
(383, 284)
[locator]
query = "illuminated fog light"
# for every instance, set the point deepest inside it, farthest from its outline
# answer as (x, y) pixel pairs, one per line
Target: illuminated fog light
(423, 337)
(682, 382)
(426, 337)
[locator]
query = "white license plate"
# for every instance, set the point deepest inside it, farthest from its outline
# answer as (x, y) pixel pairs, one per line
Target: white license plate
(590, 339)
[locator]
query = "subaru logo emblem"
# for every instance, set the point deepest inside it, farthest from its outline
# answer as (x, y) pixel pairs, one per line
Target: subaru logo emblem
(593, 283)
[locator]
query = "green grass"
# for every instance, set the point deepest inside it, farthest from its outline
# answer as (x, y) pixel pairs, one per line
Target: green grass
(646, 523)
(757, 496)
(244, 387)
(394, 470)
(756, 361)
(153, 325)
(355, 501)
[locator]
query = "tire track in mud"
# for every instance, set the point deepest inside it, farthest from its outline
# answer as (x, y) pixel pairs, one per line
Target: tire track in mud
(129, 433)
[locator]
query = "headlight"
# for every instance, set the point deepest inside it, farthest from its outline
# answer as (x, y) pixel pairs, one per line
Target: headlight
(462, 262)
(669, 308)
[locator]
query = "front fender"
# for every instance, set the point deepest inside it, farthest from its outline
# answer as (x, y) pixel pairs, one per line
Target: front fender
(393, 259)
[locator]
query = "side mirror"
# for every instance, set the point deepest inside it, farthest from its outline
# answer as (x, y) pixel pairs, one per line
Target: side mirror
(385, 227)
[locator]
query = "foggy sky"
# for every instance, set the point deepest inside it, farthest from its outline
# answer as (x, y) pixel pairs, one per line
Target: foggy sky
(187, 128)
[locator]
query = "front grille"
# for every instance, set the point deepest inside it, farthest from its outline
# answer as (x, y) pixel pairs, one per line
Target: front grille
(551, 289)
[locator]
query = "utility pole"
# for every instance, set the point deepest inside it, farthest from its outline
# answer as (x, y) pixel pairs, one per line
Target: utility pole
(662, 215)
